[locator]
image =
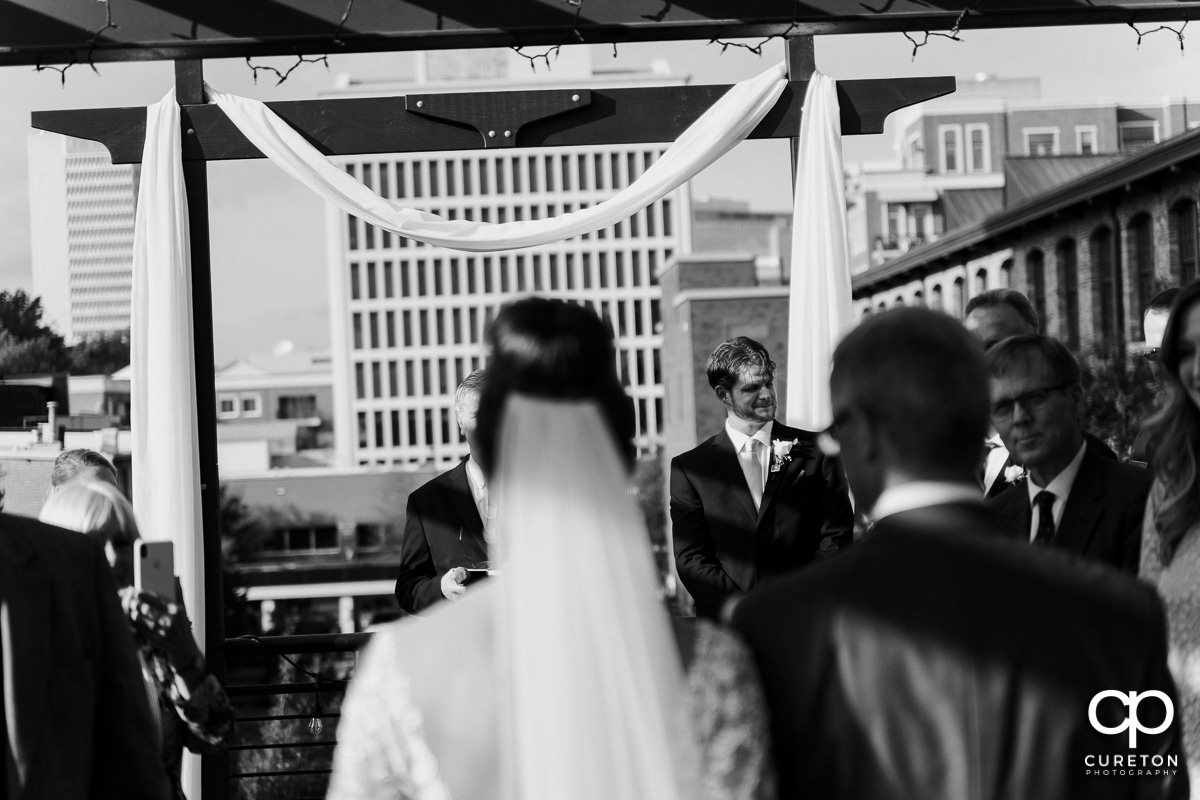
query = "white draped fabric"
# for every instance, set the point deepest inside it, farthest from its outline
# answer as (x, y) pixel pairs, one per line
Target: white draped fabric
(591, 684)
(166, 461)
(723, 125)
(819, 307)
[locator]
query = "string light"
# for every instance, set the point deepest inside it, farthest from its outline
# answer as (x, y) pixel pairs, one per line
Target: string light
(1178, 32)
(92, 43)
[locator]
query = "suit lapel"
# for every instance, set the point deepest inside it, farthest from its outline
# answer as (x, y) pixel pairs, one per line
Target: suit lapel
(471, 524)
(1013, 507)
(1083, 508)
(25, 617)
(734, 480)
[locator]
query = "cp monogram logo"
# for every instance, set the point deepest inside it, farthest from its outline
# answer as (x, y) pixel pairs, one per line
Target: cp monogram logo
(1131, 700)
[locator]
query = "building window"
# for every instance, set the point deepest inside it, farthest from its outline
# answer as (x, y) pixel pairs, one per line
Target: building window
(1104, 281)
(1035, 280)
(1085, 140)
(959, 300)
(981, 280)
(979, 152)
(227, 406)
(302, 540)
(915, 151)
(935, 299)
(1181, 238)
(1141, 262)
(297, 406)
(370, 536)
(1006, 274)
(1137, 135)
(251, 404)
(1041, 141)
(951, 156)
(1068, 291)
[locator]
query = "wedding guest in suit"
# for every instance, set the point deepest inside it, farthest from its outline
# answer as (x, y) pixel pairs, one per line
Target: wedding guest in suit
(938, 659)
(75, 722)
(1171, 530)
(559, 677)
(191, 708)
(758, 499)
(994, 315)
(448, 520)
(1073, 496)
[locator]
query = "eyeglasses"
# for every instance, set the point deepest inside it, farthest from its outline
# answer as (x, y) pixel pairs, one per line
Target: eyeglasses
(827, 440)
(1152, 353)
(1032, 401)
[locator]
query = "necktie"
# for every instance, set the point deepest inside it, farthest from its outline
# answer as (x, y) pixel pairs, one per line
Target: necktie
(753, 470)
(1045, 528)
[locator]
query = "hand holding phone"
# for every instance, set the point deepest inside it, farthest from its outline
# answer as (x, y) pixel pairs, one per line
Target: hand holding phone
(154, 568)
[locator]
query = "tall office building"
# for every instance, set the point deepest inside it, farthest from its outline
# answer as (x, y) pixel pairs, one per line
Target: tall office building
(81, 214)
(409, 319)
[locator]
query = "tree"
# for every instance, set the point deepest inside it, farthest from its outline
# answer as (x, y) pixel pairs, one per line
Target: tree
(100, 353)
(26, 345)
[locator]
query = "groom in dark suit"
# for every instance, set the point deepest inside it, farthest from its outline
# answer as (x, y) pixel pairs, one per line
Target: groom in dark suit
(756, 500)
(444, 530)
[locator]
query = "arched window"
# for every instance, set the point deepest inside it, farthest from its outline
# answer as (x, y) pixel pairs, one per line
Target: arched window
(959, 300)
(1141, 263)
(981, 280)
(1006, 274)
(1181, 238)
(882, 306)
(899, 301)
(918, 298)
(935, 301)
(1107, 301)
(1035, 279)
(1068, 291)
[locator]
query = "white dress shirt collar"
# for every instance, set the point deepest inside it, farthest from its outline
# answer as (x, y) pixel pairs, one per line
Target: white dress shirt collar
(920, 494)
(739, 439)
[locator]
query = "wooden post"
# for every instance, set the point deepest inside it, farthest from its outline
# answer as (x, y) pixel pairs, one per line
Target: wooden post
(189, 89)
(801, 64)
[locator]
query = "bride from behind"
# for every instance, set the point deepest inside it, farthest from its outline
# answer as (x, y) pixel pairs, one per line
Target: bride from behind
(563, 676)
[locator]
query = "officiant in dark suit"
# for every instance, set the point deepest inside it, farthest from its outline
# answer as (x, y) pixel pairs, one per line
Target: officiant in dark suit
(447, 520)
(1075, 496)
(756, 500)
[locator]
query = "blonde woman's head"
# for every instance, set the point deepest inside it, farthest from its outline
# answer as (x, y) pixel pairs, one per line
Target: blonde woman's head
(99, 510)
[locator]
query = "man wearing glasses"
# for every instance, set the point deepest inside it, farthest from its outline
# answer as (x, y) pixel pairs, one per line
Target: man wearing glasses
(1073, 496)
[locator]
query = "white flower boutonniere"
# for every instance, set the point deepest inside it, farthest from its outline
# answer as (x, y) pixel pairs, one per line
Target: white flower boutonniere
(781, 453)
(1014, 473)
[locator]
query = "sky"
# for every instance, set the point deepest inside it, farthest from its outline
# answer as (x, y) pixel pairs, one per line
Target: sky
(268, 233)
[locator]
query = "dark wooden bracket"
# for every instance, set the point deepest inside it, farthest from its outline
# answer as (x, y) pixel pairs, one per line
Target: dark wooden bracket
(498, 116)
(359, 125)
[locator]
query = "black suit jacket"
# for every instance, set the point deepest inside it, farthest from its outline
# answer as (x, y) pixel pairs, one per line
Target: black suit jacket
(723, 547)
(938, 659)
(1102, 519)
(442, 530)
(77, 720)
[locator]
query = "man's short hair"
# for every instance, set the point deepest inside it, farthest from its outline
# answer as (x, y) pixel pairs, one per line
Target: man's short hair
(472, 384)
(731, 357)
(999, 298)
(1021, 352)
(1162, 301)
(919, 375)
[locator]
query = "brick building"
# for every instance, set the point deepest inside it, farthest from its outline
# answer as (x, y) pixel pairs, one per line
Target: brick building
(1090, 253)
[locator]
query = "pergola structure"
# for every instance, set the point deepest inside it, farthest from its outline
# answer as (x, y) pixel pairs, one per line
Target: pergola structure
(41, 32)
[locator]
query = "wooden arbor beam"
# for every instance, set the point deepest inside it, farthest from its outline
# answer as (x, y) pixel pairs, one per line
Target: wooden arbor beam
(444, 122)
(69, 31)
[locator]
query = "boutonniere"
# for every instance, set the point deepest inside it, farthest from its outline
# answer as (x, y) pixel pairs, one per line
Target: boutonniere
(1014, 473)
(781, 453)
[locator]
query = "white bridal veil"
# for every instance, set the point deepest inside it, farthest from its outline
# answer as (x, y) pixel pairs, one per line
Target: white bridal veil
(586, 658)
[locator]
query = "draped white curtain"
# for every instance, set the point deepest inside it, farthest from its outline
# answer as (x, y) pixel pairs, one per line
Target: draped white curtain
(723, 125)
(819, 307)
